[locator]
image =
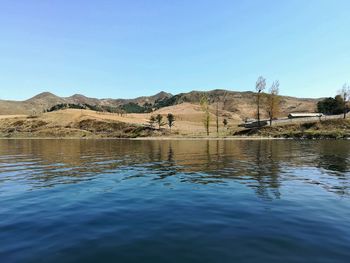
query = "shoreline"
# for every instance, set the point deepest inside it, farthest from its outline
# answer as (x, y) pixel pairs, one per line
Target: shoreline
(233, 138)
(97, 130)
(71, 125)
(147, 138)
(167, 138)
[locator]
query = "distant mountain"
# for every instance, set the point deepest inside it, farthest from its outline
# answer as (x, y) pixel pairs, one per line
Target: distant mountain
(46, 100)
(239, 103)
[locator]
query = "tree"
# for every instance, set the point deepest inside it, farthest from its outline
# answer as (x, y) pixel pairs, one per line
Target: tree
(225, 122)
(205, 107)
(331, 106)
(273, 101)
(152, 121)
(217, 117)
(345, 94)
(259, 87)
(171, 119)
(159, 121)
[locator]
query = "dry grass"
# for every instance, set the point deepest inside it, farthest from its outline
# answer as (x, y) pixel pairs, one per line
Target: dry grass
(11, 116)
(328, 129)
(188, 123)
(64, 123)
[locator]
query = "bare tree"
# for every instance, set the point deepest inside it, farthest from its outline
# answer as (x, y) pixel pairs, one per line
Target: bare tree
(259, 87)
(205, 107)
(217, 118)
(217, 110)
(273, 101)
(345, 94)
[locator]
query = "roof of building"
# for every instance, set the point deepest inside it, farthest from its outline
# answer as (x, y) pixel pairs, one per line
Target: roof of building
(305, 114)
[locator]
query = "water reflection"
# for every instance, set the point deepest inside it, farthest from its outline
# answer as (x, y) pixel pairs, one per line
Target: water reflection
(260, 165)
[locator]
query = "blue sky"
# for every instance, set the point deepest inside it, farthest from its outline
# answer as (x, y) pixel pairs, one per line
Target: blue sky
(129, 48)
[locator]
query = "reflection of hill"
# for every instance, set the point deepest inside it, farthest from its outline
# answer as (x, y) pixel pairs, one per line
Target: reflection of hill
(261, 165)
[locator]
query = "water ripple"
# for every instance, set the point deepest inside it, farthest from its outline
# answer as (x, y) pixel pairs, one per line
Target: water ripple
(174, 201)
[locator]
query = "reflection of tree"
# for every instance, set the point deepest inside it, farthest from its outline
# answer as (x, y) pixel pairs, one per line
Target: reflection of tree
(171, 154)
(334, 156)
(167, 168)
(150, 151)
(267, 170)
(208, 154)
(218, 155)
(257, 164)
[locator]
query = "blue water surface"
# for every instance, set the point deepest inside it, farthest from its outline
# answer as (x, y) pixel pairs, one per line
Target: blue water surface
(174, 201)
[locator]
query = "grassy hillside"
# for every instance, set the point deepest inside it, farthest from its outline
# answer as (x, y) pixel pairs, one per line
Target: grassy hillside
(239, 104)
(73, 123)
(81, 123)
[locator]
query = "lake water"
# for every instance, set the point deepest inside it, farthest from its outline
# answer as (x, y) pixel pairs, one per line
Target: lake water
(174, 201)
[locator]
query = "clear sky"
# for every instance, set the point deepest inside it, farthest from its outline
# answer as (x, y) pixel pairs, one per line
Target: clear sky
(129, 48)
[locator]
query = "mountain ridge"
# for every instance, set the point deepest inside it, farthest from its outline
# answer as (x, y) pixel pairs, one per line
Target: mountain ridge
(242, 103)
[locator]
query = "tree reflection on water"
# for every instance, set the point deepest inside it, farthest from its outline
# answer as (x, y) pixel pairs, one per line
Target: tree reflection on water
(261, 165)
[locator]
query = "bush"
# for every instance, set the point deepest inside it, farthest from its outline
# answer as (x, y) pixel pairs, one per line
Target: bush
(132, 107)
(83, 106)
(331, 105)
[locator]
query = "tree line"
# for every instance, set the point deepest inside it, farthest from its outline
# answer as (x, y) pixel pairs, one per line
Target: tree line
(85, 106)
(270, 101)
(157, 120)
(330, 106)
(205, 106)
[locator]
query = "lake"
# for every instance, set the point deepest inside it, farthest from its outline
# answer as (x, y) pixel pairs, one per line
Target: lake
(174, 201)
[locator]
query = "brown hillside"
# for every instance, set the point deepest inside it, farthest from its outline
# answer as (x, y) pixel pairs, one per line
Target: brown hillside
(243, 104)
(236, 105)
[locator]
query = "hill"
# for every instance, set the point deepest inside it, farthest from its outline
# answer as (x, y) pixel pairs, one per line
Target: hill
(76, 123)
(88, 123)
(243, 103)
(240, 105)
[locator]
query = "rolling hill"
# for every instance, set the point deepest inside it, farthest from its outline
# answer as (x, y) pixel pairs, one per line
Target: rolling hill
(240, 105)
